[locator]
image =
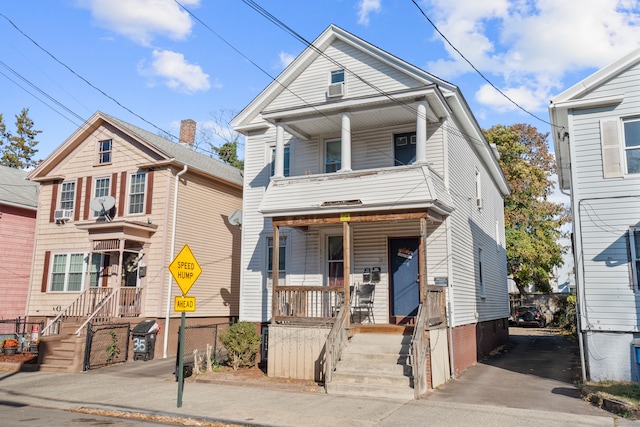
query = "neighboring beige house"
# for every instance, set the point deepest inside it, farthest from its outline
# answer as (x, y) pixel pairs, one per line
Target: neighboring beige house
(18, 202)
(366, 172)
(116, 204)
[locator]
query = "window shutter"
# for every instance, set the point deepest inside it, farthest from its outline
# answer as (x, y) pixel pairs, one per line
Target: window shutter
(87, 198)
(76, 203)
(149, 195)
(123, 192)
(114, 189)
(45, 271)
(54, 201)
(610, 141)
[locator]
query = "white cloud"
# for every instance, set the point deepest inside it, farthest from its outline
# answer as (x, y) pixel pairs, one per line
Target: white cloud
(141, 20)
(365, 8)
(176, 72)
(527, 47)
(286, 59)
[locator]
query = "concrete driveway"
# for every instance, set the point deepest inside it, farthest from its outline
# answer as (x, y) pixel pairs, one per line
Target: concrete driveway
(536, 370)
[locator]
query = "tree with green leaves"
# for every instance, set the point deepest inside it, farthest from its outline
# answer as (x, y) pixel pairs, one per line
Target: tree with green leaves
(220, 131)
(17, 150)
(532, 222)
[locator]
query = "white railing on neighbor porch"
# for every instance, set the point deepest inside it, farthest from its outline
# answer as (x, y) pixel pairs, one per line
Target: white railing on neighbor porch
(307, 304)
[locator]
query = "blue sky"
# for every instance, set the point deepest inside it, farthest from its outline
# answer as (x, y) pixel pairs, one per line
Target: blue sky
(162, 65)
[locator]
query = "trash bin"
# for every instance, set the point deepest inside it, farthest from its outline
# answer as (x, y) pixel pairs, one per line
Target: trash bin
(144, 339)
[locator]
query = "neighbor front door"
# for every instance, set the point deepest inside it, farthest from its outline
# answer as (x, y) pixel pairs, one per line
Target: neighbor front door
(405, 284)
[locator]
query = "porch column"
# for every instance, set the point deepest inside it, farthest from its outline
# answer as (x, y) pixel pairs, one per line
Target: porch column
(345, 146)
(346, 258)
(421, 132)
(422, 265)
(275, 271)
(278, 169)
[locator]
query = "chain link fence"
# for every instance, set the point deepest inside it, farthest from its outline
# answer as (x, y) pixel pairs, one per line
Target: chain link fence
(201, 343)
(27, 333)
(106, 344)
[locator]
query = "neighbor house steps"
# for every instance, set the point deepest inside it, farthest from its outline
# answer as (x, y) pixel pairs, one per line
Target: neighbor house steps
(63, 352)
(374, 365)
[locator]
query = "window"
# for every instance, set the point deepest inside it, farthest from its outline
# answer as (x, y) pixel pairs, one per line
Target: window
(634, 237)
(478, 190)
(94, 270)
(632, 144)
(335, 261)
(104, 151)
(67, 272)
(333, 156)
(404, 148)
(101, 190)
(282, 259)
(480, 273)
(337, 76)
(67, 195)
(287, 158)
(136, 193)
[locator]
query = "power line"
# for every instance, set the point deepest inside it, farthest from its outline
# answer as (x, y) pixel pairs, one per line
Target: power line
(476, 69)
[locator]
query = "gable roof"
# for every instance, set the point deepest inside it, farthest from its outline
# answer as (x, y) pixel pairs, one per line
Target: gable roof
(577, 97)
(451, 95)
(169, 151)
(16, 190)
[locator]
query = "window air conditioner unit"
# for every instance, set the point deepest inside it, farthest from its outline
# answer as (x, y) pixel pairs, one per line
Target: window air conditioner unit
(335, 89)
(62, 214)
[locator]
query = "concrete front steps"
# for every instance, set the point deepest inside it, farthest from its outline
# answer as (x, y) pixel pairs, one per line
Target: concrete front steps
(374, 365)
(63, 352)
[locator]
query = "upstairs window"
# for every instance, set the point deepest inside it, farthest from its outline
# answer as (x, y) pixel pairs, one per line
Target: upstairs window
(102, 187)
(67, 195)
(137, 193)
(287, 160)
(632, 144)
(634, 240)
(478, 190)
(104, 151)
(333, 156)
(481, 273)
(404, 148)
(337, 76)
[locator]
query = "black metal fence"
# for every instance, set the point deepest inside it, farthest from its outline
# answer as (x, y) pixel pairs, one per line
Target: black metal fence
(196, 340)
(106, 344)
(27, 333)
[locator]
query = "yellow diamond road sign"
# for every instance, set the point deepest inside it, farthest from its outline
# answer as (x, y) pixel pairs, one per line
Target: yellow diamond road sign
(185, 269)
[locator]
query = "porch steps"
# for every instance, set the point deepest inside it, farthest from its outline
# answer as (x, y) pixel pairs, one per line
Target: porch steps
(63, 352)
(374, 365)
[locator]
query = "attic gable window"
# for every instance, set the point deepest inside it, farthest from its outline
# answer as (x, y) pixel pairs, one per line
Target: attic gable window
(336, 84)
(104, 151)
(632, 144)
(337, 76)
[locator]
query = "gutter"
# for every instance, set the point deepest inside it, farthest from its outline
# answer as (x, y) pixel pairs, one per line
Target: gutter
(173, 244)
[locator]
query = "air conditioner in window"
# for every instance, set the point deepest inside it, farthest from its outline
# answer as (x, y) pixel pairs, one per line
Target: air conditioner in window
(61, 215)
(335, 89)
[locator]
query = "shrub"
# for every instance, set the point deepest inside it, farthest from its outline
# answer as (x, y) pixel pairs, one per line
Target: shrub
(242, 341)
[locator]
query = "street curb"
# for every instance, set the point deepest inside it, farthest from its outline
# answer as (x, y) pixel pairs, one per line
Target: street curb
(614, 406)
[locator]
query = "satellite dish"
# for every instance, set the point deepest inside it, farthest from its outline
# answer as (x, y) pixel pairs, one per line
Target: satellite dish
(102, 205)
(235, 218)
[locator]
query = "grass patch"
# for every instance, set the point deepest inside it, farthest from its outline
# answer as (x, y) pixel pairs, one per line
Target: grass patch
(628, 392)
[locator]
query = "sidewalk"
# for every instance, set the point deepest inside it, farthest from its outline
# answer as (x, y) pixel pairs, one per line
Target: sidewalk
(150, 387)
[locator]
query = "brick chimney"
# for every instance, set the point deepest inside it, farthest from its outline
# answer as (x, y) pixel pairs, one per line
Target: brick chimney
(187, 132)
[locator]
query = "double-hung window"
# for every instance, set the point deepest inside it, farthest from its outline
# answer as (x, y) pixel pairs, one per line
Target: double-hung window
(67, 195)
(634, 240)
(104, 152)
(632, 144)
(102, 187)
(67, 272)
(333, 156)
(282, 260)
(287, 160)
(137, 183)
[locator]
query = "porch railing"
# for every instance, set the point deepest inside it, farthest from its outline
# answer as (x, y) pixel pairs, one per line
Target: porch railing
(81, 307)
(418, 352)
(307, 304)
(123, 302)
(336, 342)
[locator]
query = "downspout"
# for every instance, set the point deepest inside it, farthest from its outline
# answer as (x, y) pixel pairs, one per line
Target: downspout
(583, 363)
(173, 244)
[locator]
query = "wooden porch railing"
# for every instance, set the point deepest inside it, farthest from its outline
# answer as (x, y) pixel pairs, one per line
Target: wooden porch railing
(307, 304)
(83, 306)
(336, 342)
(418, 353)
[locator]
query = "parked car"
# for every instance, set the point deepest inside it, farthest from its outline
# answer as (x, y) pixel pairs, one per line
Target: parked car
(529, 315)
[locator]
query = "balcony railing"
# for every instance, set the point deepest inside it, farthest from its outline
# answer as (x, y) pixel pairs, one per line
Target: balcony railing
(307, 304)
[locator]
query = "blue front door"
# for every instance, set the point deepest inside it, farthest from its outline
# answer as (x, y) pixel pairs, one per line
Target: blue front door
(405, 285)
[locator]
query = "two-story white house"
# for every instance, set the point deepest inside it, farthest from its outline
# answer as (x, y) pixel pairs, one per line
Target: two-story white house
(597, 143)
(368, 173)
